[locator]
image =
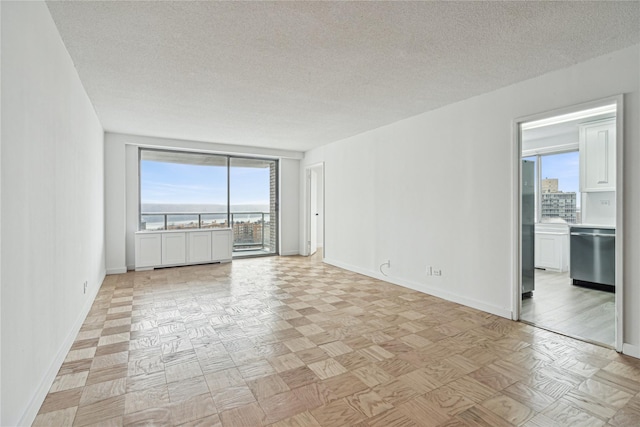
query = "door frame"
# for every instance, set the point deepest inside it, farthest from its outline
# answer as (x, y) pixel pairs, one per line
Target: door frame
(516, 289)
(307, 208)
(312, 242)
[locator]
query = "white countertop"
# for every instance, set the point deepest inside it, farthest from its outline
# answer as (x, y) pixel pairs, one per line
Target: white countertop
(183, 230)
(609, 227)
(552, 228)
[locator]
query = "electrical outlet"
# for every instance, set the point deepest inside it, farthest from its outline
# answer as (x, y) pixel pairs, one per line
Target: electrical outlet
(437, 272)
(429, 270)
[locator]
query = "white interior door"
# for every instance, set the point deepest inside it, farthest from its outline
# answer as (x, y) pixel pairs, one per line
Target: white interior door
(313, 211)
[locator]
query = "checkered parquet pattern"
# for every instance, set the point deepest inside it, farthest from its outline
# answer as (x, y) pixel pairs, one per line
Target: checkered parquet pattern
(290, 341)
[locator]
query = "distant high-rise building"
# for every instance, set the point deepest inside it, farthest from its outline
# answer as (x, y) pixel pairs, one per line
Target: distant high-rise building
(559, 205)
(550, 185)
(556, 204)
(249, 234)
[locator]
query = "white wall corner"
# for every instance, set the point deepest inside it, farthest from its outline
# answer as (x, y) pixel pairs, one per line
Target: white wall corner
(43, 389)
(0, 214)
(289, 253)
(66, 178)
(289, 194)
(115, 217)
(631, 350)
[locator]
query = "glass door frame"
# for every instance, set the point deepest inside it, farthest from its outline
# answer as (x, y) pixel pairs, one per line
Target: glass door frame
(228, 166)
(276, 219)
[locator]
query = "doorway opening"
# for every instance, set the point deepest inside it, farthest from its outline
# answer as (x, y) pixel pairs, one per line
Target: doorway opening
(314, 208)
(570, 216)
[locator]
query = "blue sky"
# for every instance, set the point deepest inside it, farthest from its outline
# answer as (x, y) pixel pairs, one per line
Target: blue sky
(195, 184)
(566, 168)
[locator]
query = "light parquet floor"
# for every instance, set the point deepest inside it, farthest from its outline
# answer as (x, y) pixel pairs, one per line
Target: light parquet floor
(290, 341)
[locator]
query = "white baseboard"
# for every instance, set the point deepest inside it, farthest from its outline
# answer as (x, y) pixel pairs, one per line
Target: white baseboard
(120, 270)
(289, 253)
(41, 393)
(631, 350)
(421, 287)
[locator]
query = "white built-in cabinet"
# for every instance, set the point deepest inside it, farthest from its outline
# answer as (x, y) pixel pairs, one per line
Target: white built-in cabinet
(173, 248)
(222, 244)
(598, 156)
(199, 246)
(182, 247)
(552, 247)
(148, 249)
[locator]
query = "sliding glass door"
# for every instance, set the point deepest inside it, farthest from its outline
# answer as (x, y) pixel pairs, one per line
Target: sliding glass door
(183, 190)
(253, 196)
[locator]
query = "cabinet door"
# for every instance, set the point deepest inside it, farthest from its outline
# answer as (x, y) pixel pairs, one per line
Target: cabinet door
(148, 250)
(199, 246)
(549, 251)
(222, 243)
(173, 248)
(598, 156)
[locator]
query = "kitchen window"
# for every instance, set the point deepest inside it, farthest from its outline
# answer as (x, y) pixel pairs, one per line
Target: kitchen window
(557, 190)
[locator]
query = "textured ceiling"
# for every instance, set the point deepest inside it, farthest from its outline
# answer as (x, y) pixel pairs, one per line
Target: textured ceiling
(295, 75)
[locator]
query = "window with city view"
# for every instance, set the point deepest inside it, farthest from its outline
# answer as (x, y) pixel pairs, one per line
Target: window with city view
(558, 189)
(180, 190)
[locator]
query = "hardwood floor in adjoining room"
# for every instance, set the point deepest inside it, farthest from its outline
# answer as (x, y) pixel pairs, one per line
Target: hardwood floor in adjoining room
(290, 341)
(576, 311)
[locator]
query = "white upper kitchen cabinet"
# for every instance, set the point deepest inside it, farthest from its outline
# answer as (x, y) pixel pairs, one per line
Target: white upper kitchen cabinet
(598, 156)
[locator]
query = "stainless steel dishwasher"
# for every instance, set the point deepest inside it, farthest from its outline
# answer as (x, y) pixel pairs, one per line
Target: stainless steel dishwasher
(592, 254)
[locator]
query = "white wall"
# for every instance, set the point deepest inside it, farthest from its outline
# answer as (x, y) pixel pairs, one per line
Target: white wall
(52, 207)
(599, 208)
(289, 206)
(114, 195)
(320, 205)
(121, 189)
(0, 215)
(437, 189)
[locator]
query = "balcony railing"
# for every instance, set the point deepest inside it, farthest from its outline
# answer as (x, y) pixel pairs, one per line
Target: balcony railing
(251, 230)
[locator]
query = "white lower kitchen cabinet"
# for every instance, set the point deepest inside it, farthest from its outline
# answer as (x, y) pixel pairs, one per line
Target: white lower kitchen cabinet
(552, 247)
(182, 247)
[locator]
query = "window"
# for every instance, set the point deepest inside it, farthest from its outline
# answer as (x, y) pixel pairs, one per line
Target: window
(557, 187)
(181, 190)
